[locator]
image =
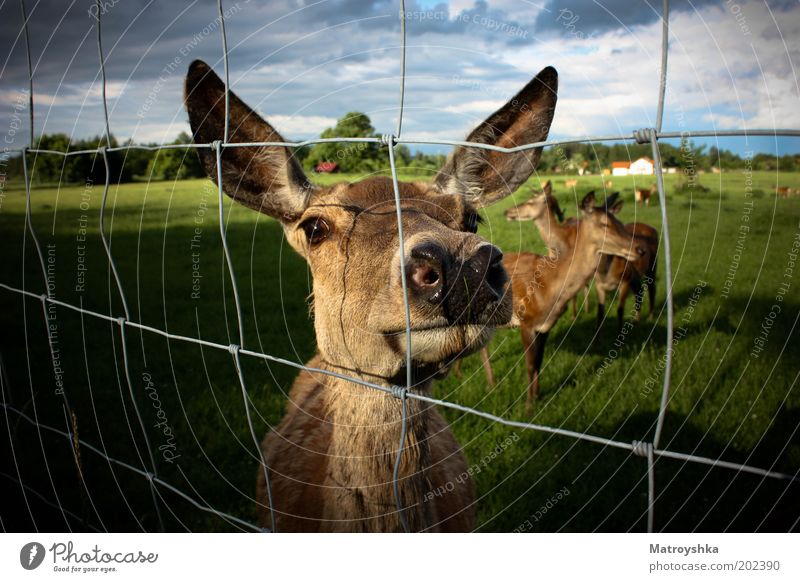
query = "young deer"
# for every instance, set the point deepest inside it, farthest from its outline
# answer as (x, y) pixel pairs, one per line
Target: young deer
(617, 274)
(331, 457)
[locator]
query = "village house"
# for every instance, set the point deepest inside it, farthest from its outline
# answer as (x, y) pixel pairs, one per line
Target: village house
(641, 167)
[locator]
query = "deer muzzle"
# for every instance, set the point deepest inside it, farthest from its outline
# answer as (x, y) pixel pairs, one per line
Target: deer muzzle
(464, 289)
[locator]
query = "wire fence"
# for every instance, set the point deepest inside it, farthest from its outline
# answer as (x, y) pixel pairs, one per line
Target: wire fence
(648, 450)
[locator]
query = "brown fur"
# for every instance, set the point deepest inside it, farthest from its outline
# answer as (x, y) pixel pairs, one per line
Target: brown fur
(642, 195)
(615, 274)
(331, 457)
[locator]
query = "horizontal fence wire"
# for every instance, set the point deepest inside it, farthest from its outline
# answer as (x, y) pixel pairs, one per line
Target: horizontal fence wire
(646, 449)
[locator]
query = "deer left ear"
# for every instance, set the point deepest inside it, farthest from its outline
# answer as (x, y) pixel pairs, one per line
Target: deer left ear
(486, 176)
(265, 178)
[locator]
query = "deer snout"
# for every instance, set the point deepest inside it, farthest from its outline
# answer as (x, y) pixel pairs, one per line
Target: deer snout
(461, 288)
(425, 272)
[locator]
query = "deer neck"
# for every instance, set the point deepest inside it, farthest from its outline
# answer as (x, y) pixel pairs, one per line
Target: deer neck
(571, 271)
(362, 453)
(552, 233)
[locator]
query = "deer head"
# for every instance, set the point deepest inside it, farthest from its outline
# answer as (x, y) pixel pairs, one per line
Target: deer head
(537, 206)
(602, 232)
(347, 233)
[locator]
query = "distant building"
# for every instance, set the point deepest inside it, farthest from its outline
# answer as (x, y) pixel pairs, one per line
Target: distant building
(641, 167)
(620, 168)
(326, 168)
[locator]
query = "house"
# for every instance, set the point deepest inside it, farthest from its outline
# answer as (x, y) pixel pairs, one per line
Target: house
(642, 167)
(326, 167)
(620, 168)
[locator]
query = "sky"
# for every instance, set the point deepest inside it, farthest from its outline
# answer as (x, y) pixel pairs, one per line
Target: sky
(304, 63)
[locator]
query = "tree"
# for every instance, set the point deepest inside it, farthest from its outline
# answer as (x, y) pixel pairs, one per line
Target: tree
(350, 157)
(176, 163)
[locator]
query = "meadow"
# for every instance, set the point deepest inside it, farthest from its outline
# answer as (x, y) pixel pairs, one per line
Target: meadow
(731, 398)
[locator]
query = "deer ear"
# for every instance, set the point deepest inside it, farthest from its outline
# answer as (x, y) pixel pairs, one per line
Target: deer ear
(587, 204)
(486, 176)
(611, 199)
(616, 204)
(264, 178)
(548, 187)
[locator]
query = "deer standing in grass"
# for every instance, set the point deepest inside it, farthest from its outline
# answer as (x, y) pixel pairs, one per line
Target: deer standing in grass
(642, 195)
(331, 457)
(615, 274)
(543, 286)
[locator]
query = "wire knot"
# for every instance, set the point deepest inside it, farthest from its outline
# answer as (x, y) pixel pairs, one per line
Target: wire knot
(642, 449)
(149, 476)
(644, 135)
(121, 321)
(234, 349)
(215, 145)
(102, 150)
(388, 139)
(399, 392)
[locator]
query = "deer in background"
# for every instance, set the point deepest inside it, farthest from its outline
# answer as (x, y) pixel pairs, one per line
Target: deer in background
(543, 286)
(331, 457)
(642, 195)
(615, 274)
(570, 183)
(783, 191)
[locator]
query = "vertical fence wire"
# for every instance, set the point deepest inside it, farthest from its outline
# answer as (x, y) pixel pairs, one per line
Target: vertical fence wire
(234, 349)
(402, 68)
(48, 294)
(30, 68)
(217, 146)
(100, 8)
(390, 142)
(662, 82)
(118, 281)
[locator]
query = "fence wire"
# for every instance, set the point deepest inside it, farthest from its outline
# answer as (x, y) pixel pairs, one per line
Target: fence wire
(648, 450)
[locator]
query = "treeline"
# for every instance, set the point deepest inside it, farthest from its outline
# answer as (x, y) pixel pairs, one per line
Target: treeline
(125, 165)
(595, 157)
(182, 163)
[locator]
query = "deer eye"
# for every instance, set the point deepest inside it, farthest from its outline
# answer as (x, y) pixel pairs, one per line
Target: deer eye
(471, 221)
(316, 229)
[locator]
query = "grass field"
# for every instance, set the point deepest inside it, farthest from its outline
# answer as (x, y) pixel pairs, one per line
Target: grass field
(730, 260)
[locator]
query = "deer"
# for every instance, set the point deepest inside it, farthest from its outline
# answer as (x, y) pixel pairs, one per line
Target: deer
(330, 459)
(642, 195)
(608, 184)
(570, 183)
(783, 191)
(544, 285)
(615, 274)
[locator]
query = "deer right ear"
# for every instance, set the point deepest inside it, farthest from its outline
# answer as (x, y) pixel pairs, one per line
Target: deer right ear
(548, 187)
(587, 204)
(486, 176)
(265, 178)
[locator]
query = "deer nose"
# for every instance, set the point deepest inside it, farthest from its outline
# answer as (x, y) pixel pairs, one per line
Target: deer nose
(425, 272)
(462, 289)
(488, 274)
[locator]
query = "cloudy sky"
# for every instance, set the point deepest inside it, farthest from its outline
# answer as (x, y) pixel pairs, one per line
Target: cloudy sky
(303, 63)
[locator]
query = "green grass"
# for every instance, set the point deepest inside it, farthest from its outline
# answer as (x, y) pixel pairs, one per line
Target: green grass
(724, 403)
